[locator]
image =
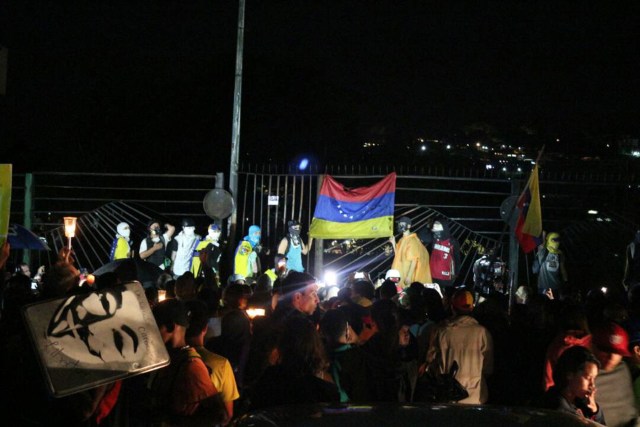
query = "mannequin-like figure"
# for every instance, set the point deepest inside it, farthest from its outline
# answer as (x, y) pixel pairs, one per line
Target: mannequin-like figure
(186, 242)
(411, 257)
(246, 262)
(292, 247)
(120, 248)
(632, 263)
(445, 255)
(549, 266)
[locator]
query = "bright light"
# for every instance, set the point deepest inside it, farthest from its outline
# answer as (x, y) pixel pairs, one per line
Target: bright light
(504, 169)
(330, 278)
(70, 226)
(254, 312)
(519, 169)
(448, 147)
(477, 144)
(303, 164)
(592, 212)
(488, 167)
(423, 148)
(635, 153)
(557, 139)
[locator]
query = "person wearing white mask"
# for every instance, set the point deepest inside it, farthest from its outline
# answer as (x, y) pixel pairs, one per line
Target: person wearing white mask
(120, 247)
(187, 241)
(207, 253)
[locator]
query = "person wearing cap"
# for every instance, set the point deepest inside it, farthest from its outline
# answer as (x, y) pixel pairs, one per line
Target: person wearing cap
(153, 247)
(186, 242)
(463, 340)
(120, 248)
(411, 257)
(181, 388)
(610, 343)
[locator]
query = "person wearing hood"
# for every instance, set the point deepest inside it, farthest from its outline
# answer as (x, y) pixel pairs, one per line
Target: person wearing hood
(121, 248)
(186, 242)
(411, 257)
(463, 340)
(549, 266)
(292, 246)
(246, 261)
(445, 254)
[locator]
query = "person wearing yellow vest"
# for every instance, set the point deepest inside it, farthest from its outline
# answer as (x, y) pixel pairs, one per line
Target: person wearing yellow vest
(120, 247)
(211, 246)
(411, 258)
(246, 261)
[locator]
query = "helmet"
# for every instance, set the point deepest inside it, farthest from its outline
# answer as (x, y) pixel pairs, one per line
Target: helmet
(393, 275)
(188, 222)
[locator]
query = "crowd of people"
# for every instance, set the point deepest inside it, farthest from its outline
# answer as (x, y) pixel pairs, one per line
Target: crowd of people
(281, 337)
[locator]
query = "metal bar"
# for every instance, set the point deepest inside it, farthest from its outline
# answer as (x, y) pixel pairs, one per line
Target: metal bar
(28, 212)
(136, 175)
(293, 198)
(110, 199)
(79, 187)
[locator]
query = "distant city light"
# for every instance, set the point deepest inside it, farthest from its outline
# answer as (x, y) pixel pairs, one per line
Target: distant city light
(519, 169)
(635, 153)
(557, 139)
(592, 212)
(303, 164)
(423, 147)
(504, 169)
(448, 146)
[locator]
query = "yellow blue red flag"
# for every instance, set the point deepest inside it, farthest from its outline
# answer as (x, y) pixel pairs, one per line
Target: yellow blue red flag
(354, 213)
(529, 225)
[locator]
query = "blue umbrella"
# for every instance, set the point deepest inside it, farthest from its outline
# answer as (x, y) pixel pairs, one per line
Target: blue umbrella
(22, 238)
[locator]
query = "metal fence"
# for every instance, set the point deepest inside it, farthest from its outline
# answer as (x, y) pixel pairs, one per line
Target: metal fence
(471, 199)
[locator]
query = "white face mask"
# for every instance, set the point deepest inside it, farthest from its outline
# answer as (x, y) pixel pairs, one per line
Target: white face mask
(155, 239)
(214, 235)
(189, 231)
(124, 230)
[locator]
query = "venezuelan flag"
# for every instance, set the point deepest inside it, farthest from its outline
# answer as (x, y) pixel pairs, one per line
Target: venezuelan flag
(529, 225)
(357, 213)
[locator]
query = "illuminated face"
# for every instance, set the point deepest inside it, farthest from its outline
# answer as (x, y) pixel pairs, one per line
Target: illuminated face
(307, 300)
(582, 384)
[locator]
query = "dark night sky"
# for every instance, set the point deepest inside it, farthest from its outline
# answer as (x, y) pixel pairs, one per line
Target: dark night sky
(147, 85)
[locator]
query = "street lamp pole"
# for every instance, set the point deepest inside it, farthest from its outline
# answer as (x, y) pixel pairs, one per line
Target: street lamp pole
(235, 133)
